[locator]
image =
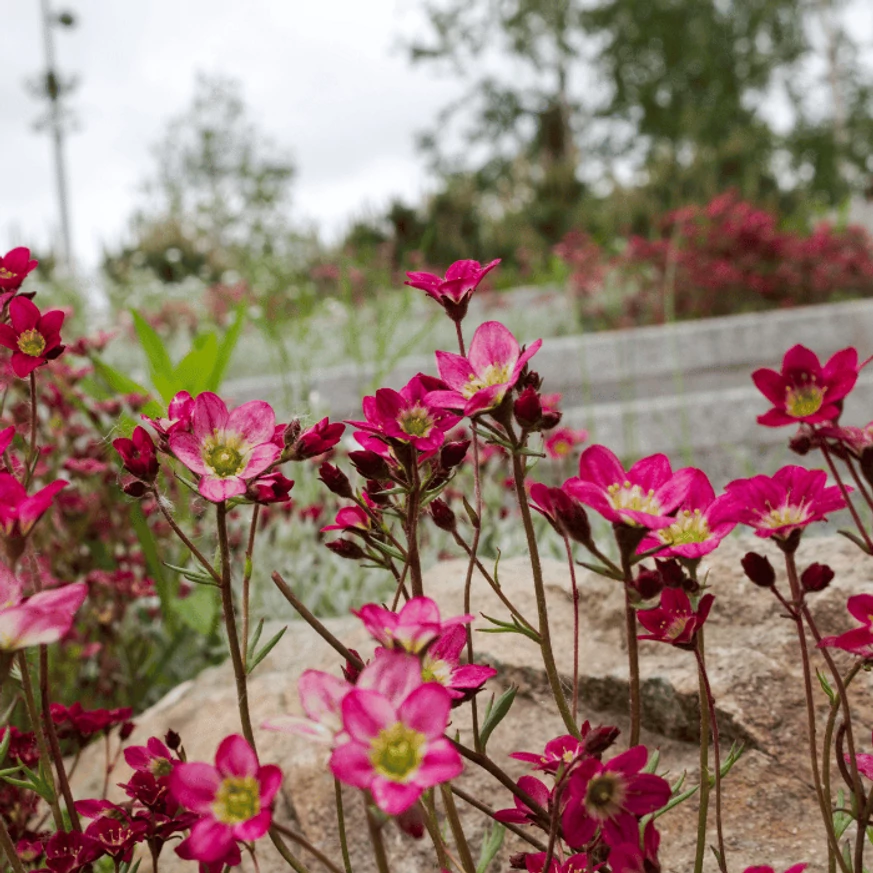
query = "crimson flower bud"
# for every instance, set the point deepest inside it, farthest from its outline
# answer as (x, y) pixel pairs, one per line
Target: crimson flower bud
(411, 821)
(134, 487)
(648, 584)
(346, 549)
(336, 480)
(600, 739)
(816, 577)
(442, 515)
(173, 740)
(518, 862)
(379, 495)
(528, 409)
(571, 516)
(759, 569)
(126, 730)
(550, 418)
(352, 671)
(800, 443)
(369, 464)
(453, 453)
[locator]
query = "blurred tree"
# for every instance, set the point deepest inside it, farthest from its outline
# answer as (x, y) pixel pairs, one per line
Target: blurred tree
(220, 196)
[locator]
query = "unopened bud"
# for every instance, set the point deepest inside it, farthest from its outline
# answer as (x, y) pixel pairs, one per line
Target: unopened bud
(800, 443)
(411, 821)
(346, 549)
(126, 729)
(292, 432)
(453, 453)
(600, 739)
(518, 861)
(369, 464)
(173, 740)
(528, 409)
(352, 671)
(571, 516)
(648, 583)
(134, 487)
(336, 480)
(759, 569)
(442, 515)
(816, 577)
(550, 418)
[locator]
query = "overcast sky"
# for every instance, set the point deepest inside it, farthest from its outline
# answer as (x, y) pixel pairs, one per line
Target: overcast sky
(326, 80)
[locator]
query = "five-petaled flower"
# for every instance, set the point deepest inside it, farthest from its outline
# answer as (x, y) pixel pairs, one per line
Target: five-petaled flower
(644, 496)
(34, 338)
(412, 629)
(138, 454)
(395, 724)
(674, 621)
(804, 390)
(453, 292)
(44, 617)
(442, 663)
(18, 512)
(226, 448)
(791, 499)
(233, 799)
(15, 266)
(480, 381)
(858, 640)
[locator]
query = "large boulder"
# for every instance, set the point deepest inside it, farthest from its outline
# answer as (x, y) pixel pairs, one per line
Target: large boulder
(770, 814)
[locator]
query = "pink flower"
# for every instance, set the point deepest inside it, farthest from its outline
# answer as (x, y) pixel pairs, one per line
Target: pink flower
(318, 439)
(350, 518)
(15, 266)
(454, 292)
(138, 454)
(858, 640)
(674, 621)
(537, 790)
(602, 795)
(44, 617)
(233, 799)
(442, 663)
(154, 757)
(480, 381)
(535, 862)
(700, 524)
(407, 415)
(644, 496)
(559, 753)
(321, 696)
(35, 339)
(18, 512)
(396, 747)
(226, 449)
(414, 627)
(178, 416)
(561, 441)
(804, 390)
(790, 500)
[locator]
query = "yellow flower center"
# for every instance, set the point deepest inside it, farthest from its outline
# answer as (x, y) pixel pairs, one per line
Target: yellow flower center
(161, 767)
(416, 421)
(31, 342)
(223, 458)
(396, 752)
(435, 670)
(805, 399)
(237, 800)
(604, 796)
(627, 496)
(7, 274)
(494, 374)
(689, 527)
(787, 514)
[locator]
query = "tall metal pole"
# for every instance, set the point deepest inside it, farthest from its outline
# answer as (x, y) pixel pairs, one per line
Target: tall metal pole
(53, 91)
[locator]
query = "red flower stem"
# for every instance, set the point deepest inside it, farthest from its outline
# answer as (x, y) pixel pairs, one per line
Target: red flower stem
(473, 553)
(843, 697)
(844, 491)
(8, 848)
(575, 588)
(796, 595)
(483, 761)
(314, 623)
(413, 507)
(859, 481)
(247, 578)
(204, 562)
(309, 847)
(31, 456)
(703, 809)
(554, 818)
(41, 741)
(495, 586)
(341, 825)
(375, 829)
(633, 653)
(433, 830)
(540, 592)
(52, 735)
(713, 725)
(486, 810)
(464, 853)
(239, 670)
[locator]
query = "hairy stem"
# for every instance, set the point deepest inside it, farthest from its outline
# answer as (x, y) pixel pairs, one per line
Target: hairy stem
(8, 848)
(341, 825)
(247, 578)
(463, 846)
(703, 810)
(844, 491)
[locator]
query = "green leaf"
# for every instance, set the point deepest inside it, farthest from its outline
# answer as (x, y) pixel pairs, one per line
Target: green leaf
(226, 349)
(193, 371)
(251, 646)
(505, 627)
(496, 714)
(199, 610)
(490, 846)
(158, 360)
(842, 819)
(601, 571)
(121, 384)
(165, 589)
(4, 746)
(825, 685)
(265, 651)
(201, 577)
(856, 540)
(652, 763)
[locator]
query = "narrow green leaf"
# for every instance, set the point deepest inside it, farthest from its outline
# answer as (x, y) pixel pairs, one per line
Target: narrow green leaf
(856, 540)
(158, 360)
(4, 745)
(166, 590)
(192, 372)
(652, 763)
(601, 571)
(825, 685)
(122, 384)
(471, 514)
(505, 627)
(193, 575)
(490, 846)
(199, 610)
(497, 713)
(266, 650)
(256, 636)
(226, 349)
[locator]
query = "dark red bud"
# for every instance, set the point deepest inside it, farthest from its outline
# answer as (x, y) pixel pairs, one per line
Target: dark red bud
(352, 671)
(517, 861)
(571, 516)
(134, 487)
(126, 729)
(550, 418)
(672, 573)
(648, 583)
(800, 443)
(453, 453)
(600, 739)
(346, 549)
(173, 740)
(379, 495)
(336, 480)
(442, 515)
(759, 569)
(411, 822)
(816, 577)
(370, 465)
(528, 409)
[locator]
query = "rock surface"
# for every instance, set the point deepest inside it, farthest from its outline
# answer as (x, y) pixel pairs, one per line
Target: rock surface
(770, 814)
